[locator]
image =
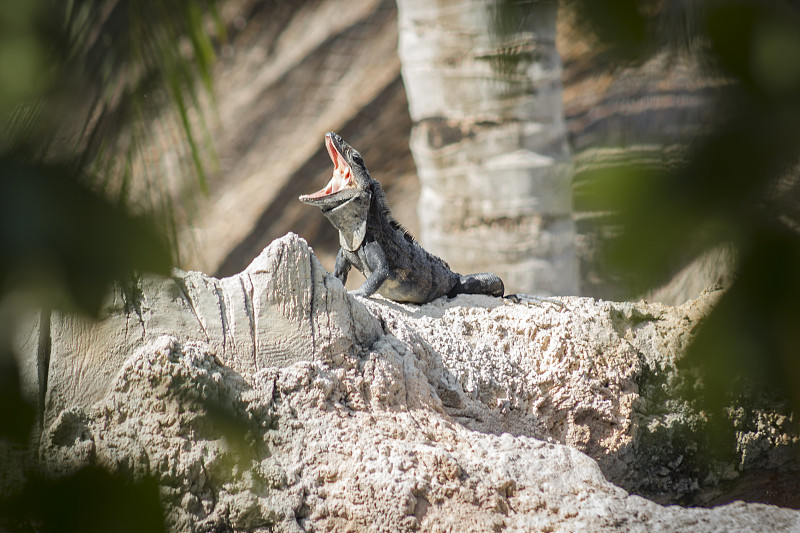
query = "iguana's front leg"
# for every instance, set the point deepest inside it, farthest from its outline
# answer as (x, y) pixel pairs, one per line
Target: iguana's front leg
(372, 254)
(342, 266)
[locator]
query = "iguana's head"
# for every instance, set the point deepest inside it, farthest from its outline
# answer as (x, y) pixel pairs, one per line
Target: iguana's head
(350, 175)
(345, 200)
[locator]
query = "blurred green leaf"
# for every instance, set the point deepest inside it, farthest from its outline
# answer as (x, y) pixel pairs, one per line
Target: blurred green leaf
(776, 56)
(63, 242)
(77, 81)
(16, 416)
(759, 44)
(23, 55)
(752, 337)
(621, 25)
(89, 501)
(737, 183)
(80, 85)
(660, 225)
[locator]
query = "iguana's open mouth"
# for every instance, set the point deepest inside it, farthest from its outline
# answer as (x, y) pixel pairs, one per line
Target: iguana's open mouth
(342, 174)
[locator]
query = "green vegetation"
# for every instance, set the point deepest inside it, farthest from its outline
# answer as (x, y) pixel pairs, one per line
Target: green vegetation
(737, 185)
(81, 82)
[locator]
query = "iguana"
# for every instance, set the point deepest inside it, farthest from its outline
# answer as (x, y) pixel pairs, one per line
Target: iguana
(394, 263)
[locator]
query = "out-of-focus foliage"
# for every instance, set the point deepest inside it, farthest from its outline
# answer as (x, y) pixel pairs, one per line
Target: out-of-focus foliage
(90, 83)
(739, 184)
(90, 501)
(81, 85)
(16, 417)
(66, 244)
(622, 25)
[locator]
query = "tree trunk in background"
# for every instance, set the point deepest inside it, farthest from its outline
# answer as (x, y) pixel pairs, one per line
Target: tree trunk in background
(484, 93)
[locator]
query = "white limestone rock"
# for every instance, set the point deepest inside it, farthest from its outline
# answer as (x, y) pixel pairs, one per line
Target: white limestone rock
(280, 310)
(273, 400)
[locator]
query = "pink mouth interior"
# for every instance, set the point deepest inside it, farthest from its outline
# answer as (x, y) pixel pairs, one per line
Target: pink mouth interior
(342, 175)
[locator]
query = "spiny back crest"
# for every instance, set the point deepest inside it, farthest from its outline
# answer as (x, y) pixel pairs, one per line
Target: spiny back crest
(383, 205)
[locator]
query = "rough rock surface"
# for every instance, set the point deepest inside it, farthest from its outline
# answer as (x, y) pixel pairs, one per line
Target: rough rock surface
(601, 377)
(273, 400)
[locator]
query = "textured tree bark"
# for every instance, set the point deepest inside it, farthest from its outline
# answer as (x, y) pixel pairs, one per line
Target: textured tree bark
(484, 92)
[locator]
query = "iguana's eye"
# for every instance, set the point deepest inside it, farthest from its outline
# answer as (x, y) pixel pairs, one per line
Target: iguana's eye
(357, 158)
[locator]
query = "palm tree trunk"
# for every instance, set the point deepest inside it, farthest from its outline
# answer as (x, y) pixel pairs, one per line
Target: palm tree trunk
(484, 90)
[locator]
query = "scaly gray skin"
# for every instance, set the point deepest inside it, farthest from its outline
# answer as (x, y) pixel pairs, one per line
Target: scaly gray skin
(395, 265)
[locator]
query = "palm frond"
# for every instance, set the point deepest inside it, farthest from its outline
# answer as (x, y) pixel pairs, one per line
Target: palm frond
(116, 71)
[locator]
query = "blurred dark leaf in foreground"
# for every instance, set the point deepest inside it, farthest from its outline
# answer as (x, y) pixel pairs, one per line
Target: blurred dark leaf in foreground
(95, 83)
(16, 416)
(89, 501)
(737, 185)
(81, 86)
(752, 337)
(61, 240)
(623, 26)
(759, 44)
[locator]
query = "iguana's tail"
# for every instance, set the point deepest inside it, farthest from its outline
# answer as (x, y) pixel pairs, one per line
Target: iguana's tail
(483, 283)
